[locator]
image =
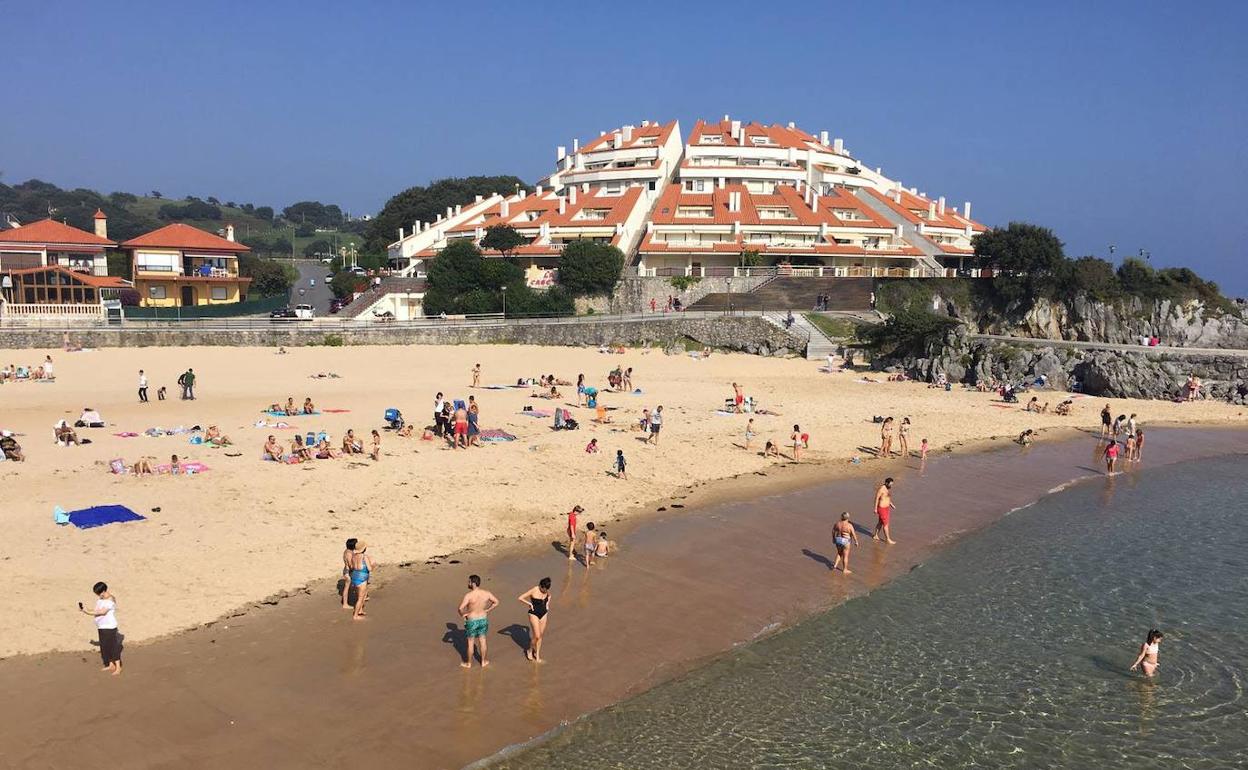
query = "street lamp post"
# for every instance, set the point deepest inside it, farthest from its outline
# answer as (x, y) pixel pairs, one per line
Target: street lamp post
(729, 296)
(504, 302)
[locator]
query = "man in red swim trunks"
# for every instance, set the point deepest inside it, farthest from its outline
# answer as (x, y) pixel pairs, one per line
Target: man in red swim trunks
(883, 510)
(572, 531)
(461, 429)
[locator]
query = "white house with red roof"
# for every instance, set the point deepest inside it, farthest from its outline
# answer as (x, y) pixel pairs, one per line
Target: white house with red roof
(48, 242)
(183, 266)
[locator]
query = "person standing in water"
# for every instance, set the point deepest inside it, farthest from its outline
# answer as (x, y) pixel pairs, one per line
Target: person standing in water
(474, 608)
(361, 572)
(105, 616)
(1147, 659)
(884, 511)
(843, 534)
(572, 514)
(1111, 456)
(346, 571)
(537, 599)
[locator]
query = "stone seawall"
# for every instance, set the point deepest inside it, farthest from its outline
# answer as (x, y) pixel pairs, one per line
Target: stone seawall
(750, 334)
(633, 295)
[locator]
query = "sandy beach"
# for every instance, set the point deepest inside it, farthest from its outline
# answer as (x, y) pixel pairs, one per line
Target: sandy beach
(246, 530)
(689, 585)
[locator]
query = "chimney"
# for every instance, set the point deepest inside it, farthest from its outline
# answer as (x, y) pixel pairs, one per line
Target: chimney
(523, 193)
(617, 141)
(504, 208)
(736, 128)
(450, 211)
(792, 125)
(400, 233)
(561, 152)
(628, 133)
(838, 145)
(416, 227)
(101, 223)
(459, 208)
(940, 205)
(576, 145)
(823, 138)
(537, 191)
(725, 117)
(645, 124)
(229, 232)
(585, 187)
(931, 209)
(897, 196)
(563, 205)
(572, 195)
(966, 209)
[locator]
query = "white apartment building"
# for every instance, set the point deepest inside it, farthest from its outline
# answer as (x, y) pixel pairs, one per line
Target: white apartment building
(733, 195)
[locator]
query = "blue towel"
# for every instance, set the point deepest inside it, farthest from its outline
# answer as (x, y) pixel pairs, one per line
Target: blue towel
(99, 515)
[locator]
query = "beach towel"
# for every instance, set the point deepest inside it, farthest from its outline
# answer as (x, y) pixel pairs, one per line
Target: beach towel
(188, 469)
(497, 387)
(724, 412)
(99, 515)
(495, 434)
(538, 413)
(335, 411)
(126, 434)
(272, 413)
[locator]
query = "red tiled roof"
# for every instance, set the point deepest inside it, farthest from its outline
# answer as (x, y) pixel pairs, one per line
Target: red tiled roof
(779, 136)
(180, 236)
(605, 142)
(911, 203)
(49, 231)
(98, 281)
(786, 196)
(546, 206)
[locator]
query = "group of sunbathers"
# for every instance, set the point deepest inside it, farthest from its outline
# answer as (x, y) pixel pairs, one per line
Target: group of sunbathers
(15, 373)
(305, 451)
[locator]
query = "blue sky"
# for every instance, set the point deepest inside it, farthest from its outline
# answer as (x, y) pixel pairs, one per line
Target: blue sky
(1112, 122)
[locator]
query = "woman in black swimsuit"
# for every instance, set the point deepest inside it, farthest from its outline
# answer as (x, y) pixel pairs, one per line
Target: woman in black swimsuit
(537, 599)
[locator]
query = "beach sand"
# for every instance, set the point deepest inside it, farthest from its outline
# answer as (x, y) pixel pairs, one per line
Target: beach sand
(301, 685)
(246, 530)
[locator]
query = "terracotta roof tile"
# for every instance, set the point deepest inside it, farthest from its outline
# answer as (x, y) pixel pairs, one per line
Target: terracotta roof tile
(49, 231)
(180, 236)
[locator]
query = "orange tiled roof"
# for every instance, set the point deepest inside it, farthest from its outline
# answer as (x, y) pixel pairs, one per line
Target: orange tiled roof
(786, 196)
(911, 203)
(49, 232)
(180, 236)
(779, 136)
(605, 142)
(98, 281)
(546, 207)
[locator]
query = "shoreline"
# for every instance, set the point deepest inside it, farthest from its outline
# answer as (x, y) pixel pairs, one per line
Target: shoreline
(680, 552)
(780, 479)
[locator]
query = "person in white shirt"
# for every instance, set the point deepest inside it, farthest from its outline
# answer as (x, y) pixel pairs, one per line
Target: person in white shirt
(105, 616)
(47, 368)
(142, 387)
(91, 418)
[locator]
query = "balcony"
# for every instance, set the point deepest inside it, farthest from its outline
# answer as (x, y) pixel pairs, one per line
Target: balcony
(202, 271)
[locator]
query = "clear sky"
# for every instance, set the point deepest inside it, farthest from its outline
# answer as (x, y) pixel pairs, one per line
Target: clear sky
(1112, 122)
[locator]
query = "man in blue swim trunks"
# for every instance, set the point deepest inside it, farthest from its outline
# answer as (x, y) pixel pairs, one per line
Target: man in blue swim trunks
(843, 533)
(474, 608)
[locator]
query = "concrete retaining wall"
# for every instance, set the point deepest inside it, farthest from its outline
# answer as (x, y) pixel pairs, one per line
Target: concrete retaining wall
(633, 295)
(750, 334)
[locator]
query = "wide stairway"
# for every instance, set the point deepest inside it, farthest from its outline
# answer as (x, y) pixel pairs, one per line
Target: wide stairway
(790, 293)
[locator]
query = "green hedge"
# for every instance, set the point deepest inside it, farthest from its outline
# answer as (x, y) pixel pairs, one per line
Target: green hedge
(250, 307)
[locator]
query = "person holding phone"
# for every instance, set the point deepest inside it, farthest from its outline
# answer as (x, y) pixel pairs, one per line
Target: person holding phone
(105, 616)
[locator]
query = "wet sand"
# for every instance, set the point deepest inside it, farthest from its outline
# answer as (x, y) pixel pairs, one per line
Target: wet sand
(301, 685)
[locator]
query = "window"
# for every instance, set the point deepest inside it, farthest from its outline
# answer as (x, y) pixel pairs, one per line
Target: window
(760, 139)
(701, 212)
(156, 292)
(776, 212)
(220, 293)
(595, 214)
(711, 139)
(699, 185)
(652, 185)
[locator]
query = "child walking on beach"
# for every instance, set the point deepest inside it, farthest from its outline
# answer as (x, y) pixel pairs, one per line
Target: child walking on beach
(105, 616)
(591, 544)
(620, 472)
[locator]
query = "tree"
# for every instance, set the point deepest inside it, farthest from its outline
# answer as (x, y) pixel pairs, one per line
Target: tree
(317, 248)
(751, 257)
(1029, 257)
(1093, 276)
(456, 269)
(261, 212)
(589, 269)
(305, 231)
(427, 203)
(268, 278)
(345, 284)
(504, 239)
(314, 213)
(1136, 276)
(214, 201)
(156, 194)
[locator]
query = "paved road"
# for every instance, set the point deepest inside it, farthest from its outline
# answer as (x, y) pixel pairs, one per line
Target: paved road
(1161, 349)
(315, 288)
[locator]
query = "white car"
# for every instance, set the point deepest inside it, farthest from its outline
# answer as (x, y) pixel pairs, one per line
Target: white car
(304, 311)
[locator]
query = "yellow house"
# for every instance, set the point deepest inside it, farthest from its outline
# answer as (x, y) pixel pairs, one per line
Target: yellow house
(182, 266)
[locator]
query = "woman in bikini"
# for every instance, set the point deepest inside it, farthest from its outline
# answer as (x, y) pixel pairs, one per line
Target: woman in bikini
(361, 571)
(376, 453)
(537, 599)
(886, 437)
(903, 436)
(795, 440)
(1147, 659)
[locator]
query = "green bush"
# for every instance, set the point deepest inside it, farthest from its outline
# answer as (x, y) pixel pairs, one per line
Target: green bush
(589, 269)
(683, 282)
(906, 332)
(333, 341)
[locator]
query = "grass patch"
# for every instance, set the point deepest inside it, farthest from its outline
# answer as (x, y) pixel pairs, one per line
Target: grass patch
(833, 328)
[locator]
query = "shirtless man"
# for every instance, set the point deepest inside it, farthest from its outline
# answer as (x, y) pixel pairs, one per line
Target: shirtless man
(474, 609)
(461, 429)
(273, 450)
(843, 533)
(476, 375)
(738, 398)
(884, 510)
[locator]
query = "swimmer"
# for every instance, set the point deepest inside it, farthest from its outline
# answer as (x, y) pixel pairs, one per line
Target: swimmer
(1147, 659)
(537, 599)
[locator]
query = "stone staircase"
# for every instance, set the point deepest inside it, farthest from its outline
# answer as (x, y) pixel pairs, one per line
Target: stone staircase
(818, 346)
(794, 293)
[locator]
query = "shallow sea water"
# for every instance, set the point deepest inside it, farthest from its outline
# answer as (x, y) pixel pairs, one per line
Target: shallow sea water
(1008, 650)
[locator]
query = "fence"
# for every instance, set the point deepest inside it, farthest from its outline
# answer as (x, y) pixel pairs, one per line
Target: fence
(234, 309)
(810, 271)
(83, 311)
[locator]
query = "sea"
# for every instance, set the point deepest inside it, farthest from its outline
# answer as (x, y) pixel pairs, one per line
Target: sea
(1008, 649)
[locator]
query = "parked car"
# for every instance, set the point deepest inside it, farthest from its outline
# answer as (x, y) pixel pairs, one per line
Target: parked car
(336, 304)
(359, 270)
(304, 312)
(283, 312)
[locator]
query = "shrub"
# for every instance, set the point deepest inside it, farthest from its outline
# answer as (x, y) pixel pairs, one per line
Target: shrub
(683, 282)
(588, 269)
